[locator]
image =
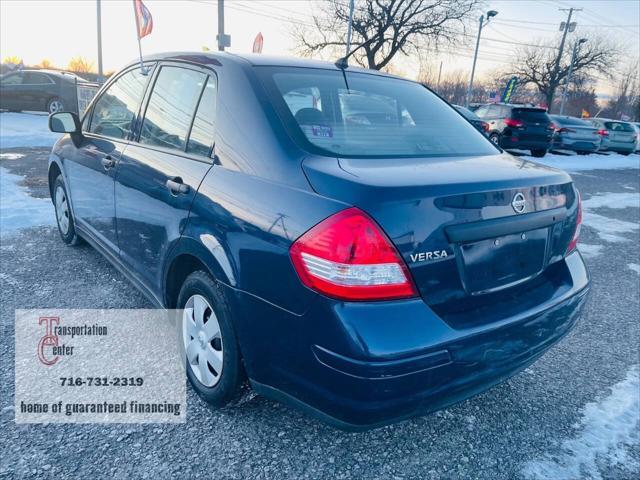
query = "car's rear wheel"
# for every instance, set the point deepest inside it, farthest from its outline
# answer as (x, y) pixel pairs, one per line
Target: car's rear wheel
(213, 361)
(625, 153)
(64, 215)
(538, 153)
(582, 152)
(495, 138)
(55, 105)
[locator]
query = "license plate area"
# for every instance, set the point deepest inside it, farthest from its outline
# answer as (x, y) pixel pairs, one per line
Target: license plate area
(497, 263)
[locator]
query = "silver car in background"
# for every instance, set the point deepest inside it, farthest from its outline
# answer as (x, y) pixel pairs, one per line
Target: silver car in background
(617, 136)
(575, 134)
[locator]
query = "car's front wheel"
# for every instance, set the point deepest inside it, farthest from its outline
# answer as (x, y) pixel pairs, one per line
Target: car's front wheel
(64, 215)
(495, 138)
(538, 153)
(213, 361)
(55, 105)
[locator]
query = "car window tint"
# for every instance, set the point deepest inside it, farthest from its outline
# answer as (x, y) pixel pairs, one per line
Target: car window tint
(171, 107)
(13, 79)
(115, 110)
(36, 78)
(531, 115)
(202, 132)
(365, 115)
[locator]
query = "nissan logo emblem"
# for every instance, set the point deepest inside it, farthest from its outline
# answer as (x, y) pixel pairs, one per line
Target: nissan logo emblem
(518, 203)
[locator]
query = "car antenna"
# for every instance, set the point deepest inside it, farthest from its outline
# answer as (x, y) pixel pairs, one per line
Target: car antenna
(343, 64)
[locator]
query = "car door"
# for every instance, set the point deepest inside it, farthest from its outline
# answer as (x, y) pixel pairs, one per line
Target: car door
(37, 89)
(10, 86)
(159, 174)
(90, 168)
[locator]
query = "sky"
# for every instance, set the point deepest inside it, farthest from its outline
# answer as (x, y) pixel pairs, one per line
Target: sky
(60, 30)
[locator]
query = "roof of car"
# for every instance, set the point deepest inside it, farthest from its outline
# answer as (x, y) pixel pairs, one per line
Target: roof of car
(212, 58)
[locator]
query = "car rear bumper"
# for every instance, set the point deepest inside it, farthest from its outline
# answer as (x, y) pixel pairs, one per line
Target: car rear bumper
(619, 147)
(404, 360)
(524, 142)
(576, 145)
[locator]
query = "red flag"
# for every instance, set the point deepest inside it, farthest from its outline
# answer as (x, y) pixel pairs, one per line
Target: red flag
(144, 20)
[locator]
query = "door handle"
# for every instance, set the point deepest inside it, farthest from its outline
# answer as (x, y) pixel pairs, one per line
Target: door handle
(108, 162)
(176, 186)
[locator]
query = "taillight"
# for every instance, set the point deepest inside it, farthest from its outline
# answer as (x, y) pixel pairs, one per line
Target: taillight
(576, 233)
(603, 133)
(485, 126)
(347, 256)
(513, 123)
(552, 126)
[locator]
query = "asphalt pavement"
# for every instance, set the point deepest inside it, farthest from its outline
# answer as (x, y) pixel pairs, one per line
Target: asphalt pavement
(551, 421)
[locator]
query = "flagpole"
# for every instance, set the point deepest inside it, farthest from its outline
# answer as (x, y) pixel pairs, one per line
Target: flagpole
(135, 15)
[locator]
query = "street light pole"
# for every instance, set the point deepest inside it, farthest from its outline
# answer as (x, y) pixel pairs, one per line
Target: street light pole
(99, 15)
(346, 55)
(490, 13)
(568, 79)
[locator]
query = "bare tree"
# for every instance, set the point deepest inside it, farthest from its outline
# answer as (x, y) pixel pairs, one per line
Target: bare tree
(536, 64)
(81, 65)
(384, 28)
(624, 102)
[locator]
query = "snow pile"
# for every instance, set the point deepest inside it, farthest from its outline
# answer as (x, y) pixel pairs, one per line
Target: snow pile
(606, 429)
(589, 251)
(18, 209)
(25, 130)
(576, 163)
(635, 267)
(11, 156)
(613, 200)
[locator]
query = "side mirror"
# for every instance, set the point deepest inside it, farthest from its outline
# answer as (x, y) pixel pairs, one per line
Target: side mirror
(64, 122)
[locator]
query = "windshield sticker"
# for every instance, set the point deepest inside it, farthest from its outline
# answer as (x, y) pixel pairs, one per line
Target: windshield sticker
(324, 131)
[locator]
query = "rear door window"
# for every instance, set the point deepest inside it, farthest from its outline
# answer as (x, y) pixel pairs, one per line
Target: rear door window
(116, 108)
(12, 79)
(357, 114)
(171, 107)
(37, 78)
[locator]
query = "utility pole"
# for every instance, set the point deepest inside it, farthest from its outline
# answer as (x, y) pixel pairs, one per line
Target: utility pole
(439, 75)
(566, 28)
(568, 79)
(99, 15)
(224, 40)
(490, 13)
(346, 55)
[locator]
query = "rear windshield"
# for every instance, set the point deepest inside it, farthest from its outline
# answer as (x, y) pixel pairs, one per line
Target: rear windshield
(619, 126)
(531, 114)
(468, 114)
(363, 115)
(571, 121)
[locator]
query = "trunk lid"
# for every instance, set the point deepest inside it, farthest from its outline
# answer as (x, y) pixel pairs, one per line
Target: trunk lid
(470, 229)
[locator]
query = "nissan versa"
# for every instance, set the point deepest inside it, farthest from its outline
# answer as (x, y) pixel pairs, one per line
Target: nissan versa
(341, 238)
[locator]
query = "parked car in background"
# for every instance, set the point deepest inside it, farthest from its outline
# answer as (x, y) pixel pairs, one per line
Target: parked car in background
(40, 90)
(518, 127)
(365, 264)
(481, 125)
(575, 134)
(617, 136)
(636, 125)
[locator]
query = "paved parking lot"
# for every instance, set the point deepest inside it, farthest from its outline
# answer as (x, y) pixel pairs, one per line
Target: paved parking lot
(572, 415)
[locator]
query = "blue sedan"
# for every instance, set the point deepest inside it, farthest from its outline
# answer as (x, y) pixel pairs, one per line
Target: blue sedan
(340, 239)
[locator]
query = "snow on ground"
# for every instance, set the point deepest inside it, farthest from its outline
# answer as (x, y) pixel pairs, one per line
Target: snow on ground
(635, 267)
(25, 130)
(609, 228)
(589, 251)
(11, 156)
(18, 209)
(575, 163)
(607, 427)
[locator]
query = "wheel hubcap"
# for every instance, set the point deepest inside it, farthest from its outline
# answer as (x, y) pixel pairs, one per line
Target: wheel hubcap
(55, 106)
(202, 340)
(62, 210)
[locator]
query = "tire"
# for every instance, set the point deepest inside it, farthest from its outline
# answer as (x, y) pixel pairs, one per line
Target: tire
(64, 216)
(538, 153)
(224, 383)
(625, 153)
(582, 152)
(55, 105)
(495, 139)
